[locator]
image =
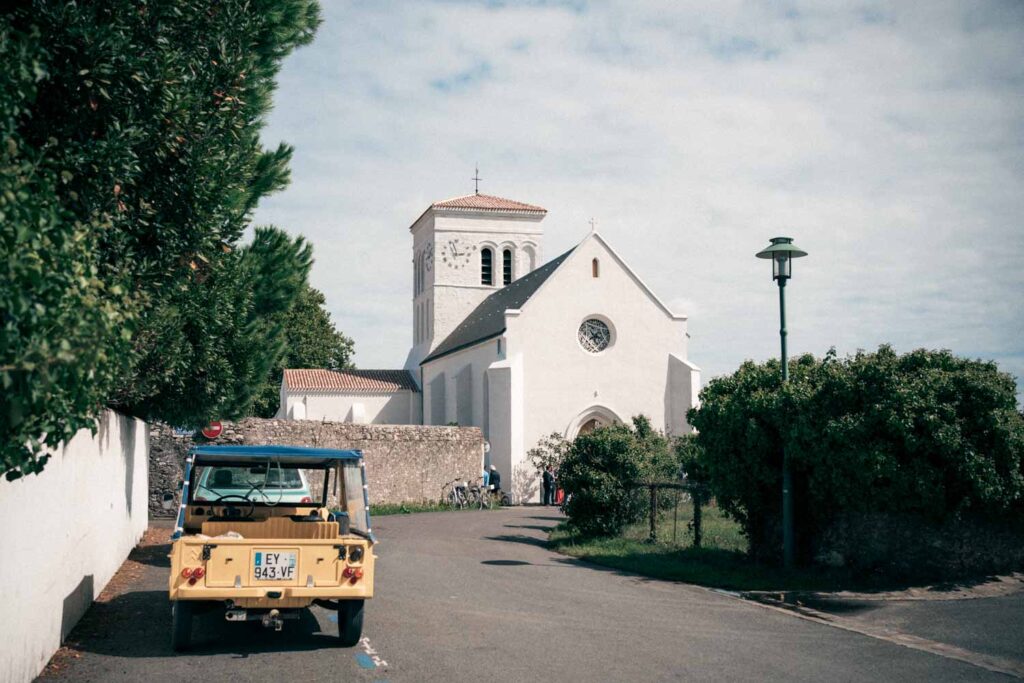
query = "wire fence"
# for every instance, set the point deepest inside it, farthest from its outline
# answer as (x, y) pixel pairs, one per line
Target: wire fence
(684, 492)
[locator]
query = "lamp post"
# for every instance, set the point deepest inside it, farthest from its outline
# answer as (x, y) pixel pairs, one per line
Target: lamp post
(782, 251)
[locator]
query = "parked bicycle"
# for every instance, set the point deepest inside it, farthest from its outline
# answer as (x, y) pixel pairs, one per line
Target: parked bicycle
(454, 493)
(484, 498)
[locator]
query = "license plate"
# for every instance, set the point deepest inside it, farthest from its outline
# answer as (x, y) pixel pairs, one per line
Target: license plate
(273, 566)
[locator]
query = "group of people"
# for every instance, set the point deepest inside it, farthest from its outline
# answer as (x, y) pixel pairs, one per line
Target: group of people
(548, 487)
(492, 482)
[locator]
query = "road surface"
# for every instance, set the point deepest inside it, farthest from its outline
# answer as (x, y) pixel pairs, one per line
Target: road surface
(475, 596)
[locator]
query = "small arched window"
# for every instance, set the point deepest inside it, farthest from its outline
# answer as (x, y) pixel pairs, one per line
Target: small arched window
(486, 266)
(595, 268)
(506, 266)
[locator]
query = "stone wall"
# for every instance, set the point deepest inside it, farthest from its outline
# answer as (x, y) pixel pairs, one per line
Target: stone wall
(403, 462)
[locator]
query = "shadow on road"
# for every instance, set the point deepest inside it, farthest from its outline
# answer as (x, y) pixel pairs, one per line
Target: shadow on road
(519, 538)
(535, 527)
(506, 563)
(138, 624)
(153, 555)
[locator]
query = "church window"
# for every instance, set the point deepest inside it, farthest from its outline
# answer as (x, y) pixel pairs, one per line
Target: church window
(595, 268)
(506, 266)
(594, 335)
(486, 267)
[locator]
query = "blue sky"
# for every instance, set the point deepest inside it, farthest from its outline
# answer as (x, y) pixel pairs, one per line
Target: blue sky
(886, 138)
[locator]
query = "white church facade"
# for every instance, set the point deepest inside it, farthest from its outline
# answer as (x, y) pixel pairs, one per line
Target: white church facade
(516, 346)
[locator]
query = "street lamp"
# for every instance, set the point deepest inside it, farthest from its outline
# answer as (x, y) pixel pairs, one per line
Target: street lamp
(782, 251)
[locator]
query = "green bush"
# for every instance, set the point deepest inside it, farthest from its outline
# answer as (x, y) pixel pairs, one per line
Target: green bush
(600, 469)
(924, 436)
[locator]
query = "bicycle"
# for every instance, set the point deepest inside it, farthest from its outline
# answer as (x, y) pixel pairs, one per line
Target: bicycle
(485, 498)
(454, 494)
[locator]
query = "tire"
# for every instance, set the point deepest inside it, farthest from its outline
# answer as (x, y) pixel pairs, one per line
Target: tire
(505, 500)
(350, 622)
(181, 625)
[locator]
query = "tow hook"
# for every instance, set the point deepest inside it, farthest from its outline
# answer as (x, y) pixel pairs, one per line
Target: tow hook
(273, 618)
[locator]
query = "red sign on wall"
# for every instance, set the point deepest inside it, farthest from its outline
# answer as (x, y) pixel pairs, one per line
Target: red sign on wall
(213, 430)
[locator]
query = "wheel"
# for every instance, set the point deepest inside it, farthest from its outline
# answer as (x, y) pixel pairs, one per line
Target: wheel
(181, 625)
(505, 499)
(350, 622)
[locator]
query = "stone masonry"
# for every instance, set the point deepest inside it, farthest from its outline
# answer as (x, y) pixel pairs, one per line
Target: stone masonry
(403, 462)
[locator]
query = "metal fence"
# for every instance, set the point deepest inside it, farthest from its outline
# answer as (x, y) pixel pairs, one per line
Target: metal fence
(684, 492)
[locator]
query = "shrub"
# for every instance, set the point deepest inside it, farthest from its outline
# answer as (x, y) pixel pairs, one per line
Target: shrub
(925, 436)
(599, 472)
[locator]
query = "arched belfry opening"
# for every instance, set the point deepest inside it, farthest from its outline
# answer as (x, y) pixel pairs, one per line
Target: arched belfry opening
(595, 268)
(486, 266)
(506, 267)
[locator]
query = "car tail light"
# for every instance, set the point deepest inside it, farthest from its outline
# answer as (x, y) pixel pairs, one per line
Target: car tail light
(192, 581)
(347, 572)
(306, 499)
(358, 573)
(198, 573)
(186, 572)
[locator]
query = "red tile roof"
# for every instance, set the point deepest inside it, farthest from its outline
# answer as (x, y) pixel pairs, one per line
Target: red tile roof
(486, 202)
(350, 380)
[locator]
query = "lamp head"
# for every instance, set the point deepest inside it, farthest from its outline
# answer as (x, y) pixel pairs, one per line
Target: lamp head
(781, 251)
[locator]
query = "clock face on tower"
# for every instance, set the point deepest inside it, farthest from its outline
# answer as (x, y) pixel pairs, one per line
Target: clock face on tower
(457, 253)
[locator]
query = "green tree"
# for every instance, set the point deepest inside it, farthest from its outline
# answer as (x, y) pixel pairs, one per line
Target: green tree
(600, 472)
(311, 341)
(130, 164)
(924, 435)
(550, 450)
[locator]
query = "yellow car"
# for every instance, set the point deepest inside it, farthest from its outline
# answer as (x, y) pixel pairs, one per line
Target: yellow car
(257, 541)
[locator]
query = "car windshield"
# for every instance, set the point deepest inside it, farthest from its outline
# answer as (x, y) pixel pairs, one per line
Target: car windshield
(262, 483)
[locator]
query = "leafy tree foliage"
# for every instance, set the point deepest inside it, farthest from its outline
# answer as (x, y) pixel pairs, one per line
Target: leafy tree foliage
(550, 450)
(600, 470)
(925, 435)
(311, 341)
(130, 164)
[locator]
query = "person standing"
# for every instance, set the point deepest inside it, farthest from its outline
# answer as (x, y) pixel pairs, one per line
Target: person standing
(495, 480)
(548, 486)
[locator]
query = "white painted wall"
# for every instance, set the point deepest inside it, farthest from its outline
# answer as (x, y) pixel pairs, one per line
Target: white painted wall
(458, 395)
(64, 533)
(400, 407)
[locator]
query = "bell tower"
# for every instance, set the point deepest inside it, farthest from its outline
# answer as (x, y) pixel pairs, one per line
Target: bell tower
(465, 249)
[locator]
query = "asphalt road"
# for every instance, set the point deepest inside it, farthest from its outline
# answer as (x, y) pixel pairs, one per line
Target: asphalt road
(476, 596)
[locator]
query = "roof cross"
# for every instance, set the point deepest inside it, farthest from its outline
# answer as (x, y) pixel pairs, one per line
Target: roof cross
(476, 180)
(593, 224)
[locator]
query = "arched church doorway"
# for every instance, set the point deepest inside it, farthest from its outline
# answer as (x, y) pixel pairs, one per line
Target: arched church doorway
(589, 420)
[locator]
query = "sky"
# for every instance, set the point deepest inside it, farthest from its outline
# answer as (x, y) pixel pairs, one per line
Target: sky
(886, 138)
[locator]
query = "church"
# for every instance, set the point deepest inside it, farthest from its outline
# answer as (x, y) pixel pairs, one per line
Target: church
(516, 345)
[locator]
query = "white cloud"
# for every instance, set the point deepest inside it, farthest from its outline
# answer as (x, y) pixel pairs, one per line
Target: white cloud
(887, 139)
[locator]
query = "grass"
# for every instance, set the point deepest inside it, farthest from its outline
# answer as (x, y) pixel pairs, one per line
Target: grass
(721, 562)
(408, 508)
